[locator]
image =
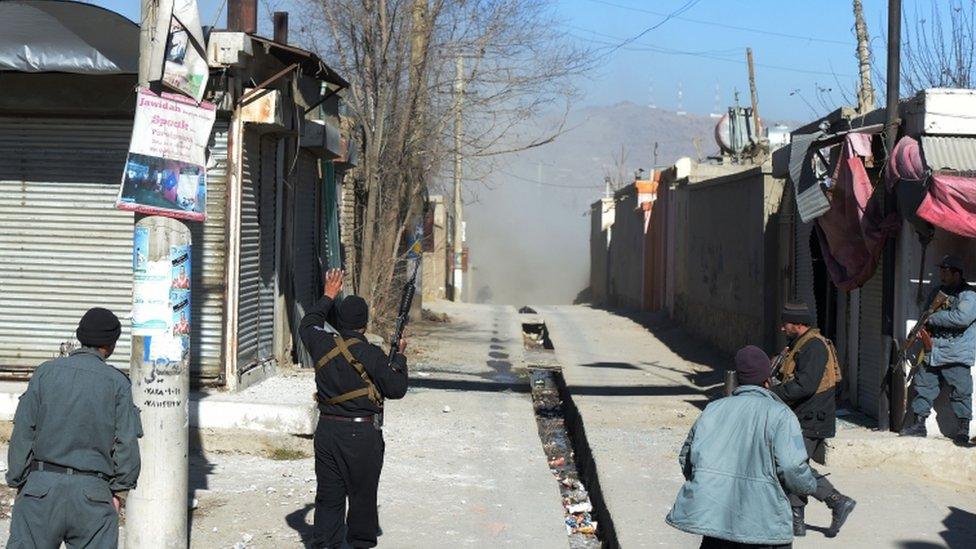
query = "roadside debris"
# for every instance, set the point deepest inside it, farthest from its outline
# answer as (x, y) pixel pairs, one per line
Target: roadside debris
(580, 526)
(431, 316)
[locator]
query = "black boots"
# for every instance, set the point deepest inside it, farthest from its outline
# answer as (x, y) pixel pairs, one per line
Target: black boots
(799, 527)
(916, 429)
(840, 507)
(962, 436)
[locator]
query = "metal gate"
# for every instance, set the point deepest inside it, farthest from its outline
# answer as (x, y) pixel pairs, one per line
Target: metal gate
(64, 247)
(267, 289)
(870, 354)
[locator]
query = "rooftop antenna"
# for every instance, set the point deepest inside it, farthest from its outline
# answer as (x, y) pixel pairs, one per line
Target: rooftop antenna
(681, 111)
(716, 113)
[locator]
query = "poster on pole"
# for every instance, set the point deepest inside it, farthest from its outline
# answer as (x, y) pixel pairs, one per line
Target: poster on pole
(165, 172)
(185, 67)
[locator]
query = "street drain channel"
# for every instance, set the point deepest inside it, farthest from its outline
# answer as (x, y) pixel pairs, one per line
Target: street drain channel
(587, 521)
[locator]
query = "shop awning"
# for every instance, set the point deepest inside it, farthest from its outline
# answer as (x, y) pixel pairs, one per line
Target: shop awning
(69, 37)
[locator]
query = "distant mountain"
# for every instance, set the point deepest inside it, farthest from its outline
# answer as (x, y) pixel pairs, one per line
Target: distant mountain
(528, 230)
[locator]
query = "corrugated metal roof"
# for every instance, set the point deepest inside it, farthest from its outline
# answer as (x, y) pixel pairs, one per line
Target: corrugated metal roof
(949, 153)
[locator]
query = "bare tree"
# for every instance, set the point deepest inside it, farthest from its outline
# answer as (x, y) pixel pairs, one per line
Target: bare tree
(939, 49)
(398, 56)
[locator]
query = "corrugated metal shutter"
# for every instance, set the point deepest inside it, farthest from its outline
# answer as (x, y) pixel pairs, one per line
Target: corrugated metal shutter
(803, 271)
(266, 218)
(63, 246)
(250, 273)
(871, 350)
(208, 267)
(305, 251)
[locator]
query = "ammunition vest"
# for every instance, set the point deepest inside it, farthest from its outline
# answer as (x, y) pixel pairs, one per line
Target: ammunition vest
(370, 391)
(831, 376)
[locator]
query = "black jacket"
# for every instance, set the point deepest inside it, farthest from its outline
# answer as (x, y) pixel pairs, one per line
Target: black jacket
(816, 412)
(338, 376)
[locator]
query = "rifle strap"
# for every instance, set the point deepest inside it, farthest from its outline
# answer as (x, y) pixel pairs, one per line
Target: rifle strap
(342, 348)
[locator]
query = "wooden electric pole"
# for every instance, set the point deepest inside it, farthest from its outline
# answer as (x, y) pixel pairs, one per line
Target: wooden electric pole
(156, 510)
(752, 92)
(458, 207)
(865, 92)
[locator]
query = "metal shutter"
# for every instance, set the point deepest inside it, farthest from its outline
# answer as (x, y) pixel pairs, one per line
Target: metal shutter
(305, 243)
(63, 246)
(870, 354)
(208, 266)
(266, 220)
(250, 259)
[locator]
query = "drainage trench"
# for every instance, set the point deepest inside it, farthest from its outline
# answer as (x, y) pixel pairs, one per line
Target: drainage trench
(588, 524)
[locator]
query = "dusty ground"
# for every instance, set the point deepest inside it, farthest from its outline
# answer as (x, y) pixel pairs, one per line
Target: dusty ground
(465, 467)
(639, 390)
(464, 464)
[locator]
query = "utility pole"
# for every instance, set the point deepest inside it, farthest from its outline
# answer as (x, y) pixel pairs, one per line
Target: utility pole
(888, 259)
(156, 511)
(752, 92)
(865, 93)
(458, 213)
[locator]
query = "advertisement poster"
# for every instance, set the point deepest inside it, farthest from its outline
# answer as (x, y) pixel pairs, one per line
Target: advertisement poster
(165, 171)
(185, 66)
(180, 299)
(151, 311)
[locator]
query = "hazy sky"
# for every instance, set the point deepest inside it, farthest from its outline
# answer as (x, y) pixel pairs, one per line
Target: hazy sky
(798, 45)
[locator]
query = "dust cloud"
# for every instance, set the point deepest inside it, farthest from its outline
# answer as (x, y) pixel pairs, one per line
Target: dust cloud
(528, 224)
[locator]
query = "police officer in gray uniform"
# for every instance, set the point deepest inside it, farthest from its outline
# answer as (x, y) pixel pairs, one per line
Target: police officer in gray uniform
(74, 451)
(953, 333)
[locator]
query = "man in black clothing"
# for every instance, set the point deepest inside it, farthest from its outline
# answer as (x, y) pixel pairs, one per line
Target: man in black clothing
(352, 378)
(809, 374)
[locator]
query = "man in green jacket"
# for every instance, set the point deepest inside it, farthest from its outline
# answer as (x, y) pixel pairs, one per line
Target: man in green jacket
(742, 456)
(74, 450)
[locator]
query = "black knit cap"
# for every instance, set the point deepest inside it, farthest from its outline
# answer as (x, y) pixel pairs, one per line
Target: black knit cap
(752, 366)
(952, 262)
(797, 313)
(99, 328)
(353, 313)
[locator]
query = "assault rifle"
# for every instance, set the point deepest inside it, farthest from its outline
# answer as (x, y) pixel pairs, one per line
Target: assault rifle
(403, 316)
(913, 336)
(777, 365)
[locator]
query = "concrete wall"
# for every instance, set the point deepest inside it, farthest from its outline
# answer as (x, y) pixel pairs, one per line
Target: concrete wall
(626, 251)
(727, 236)
(601, 230)
(434, 268)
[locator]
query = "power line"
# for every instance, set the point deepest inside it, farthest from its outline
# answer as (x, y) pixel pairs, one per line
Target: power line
(668, 51)
(534, 182)
(667, 17)
(765, 32)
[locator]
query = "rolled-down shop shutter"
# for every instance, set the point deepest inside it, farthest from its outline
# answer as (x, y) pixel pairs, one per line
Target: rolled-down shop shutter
(64, 247)
(305, 251)
(249, 297)
(255, 328)
(208, 267)
(266, 218)
(870, 353)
